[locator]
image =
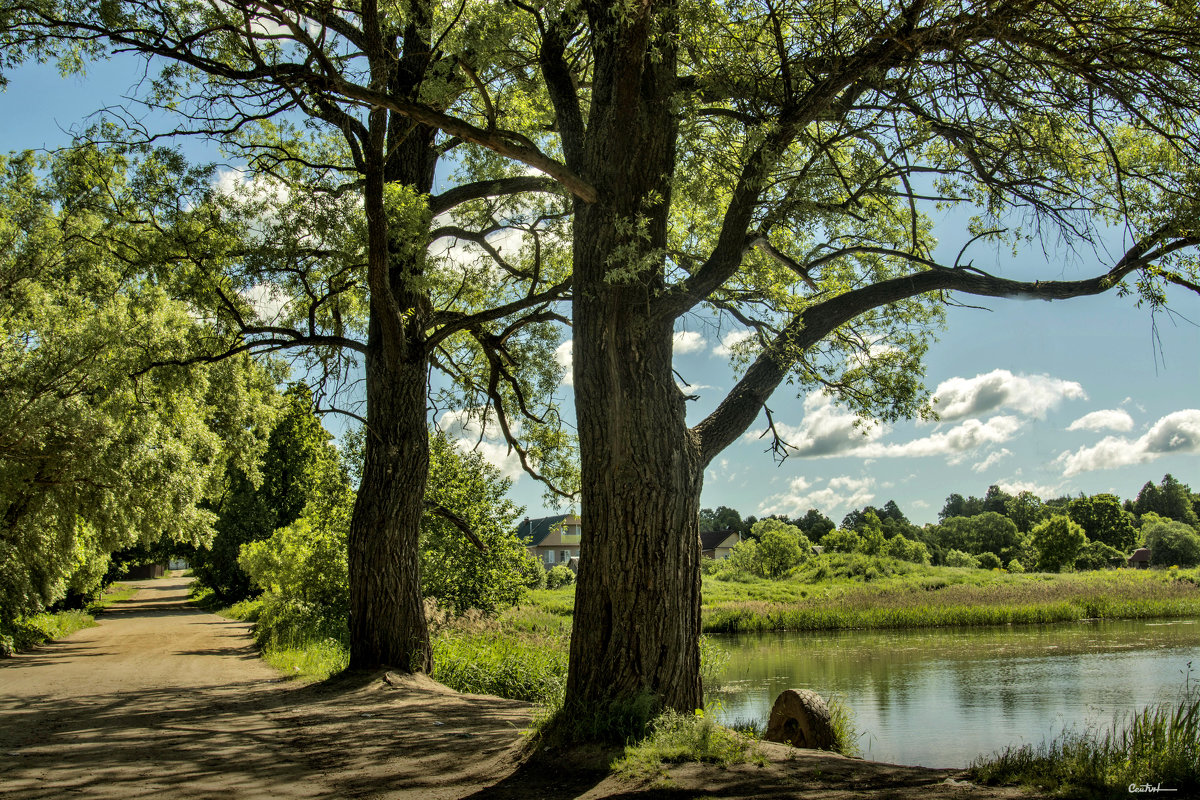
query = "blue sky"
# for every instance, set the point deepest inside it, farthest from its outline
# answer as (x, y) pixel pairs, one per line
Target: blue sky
(1085, 395)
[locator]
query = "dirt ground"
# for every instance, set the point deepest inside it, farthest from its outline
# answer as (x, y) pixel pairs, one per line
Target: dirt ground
(162, 699)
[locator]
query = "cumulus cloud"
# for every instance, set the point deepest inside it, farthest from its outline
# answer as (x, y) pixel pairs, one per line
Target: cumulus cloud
(802, 494)
(1032, 395)
(565, 355)
(1178, 432)
(463, 429)
(1044, 490)
(825, 430)
(992, 460)
(955, 444)
(730, 341)
(689, 342)
(1113, 419)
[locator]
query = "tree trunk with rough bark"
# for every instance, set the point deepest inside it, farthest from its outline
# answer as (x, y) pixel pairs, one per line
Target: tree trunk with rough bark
(637, 611)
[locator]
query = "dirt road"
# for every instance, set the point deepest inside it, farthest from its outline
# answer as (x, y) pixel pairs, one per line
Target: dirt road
(164, 700)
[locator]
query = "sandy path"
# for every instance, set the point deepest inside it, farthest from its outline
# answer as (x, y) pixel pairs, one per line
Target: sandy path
(164, 697)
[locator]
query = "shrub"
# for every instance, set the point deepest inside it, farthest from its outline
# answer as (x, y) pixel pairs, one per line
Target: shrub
(1016, 566)
(1058, 541)
(906, 549)
(841, 541)
(559, 576)
(1098, 555)
(1172, 543)
(533, 573)
(988, 561)
(957, 558)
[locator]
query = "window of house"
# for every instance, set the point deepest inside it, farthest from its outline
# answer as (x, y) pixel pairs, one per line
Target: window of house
(566, 555)
(549, 556)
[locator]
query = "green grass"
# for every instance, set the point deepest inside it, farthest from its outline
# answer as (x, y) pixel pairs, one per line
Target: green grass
(28, 632)
(837, 592)
(1159, 746)
(675, 738)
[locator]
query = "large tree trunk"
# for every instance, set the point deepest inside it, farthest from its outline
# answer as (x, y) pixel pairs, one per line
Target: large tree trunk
(387, 618)
(387, 615)
(637, 606)
(637, 609)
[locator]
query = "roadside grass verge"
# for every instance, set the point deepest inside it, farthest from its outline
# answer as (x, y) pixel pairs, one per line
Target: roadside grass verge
(1157, 749)
(28, 632)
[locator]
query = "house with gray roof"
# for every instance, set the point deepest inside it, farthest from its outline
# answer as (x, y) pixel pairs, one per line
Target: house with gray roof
(552, 540)
(718, 544)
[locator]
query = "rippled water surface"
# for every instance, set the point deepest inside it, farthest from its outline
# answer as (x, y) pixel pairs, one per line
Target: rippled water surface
(941, 697)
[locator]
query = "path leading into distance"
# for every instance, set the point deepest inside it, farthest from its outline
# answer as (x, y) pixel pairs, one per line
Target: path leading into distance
(164, 700)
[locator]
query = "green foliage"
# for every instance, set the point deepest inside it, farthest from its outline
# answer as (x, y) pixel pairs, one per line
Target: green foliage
(304, 565)
(1159, 745)
(985, 532)
(957, 558)
(1170, 499)
(1104, 520)
(906, 549)
(988, 561)
(1058, 541)
(1171, 543)
(453, 569)
(1024, 509)
(1098, 555)
(501, 664)
(26, 633)
(101, 450)
(842, 541)
(299, 467)
(675, 738)
(559, 576)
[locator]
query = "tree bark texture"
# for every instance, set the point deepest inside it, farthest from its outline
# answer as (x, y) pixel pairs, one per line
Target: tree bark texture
(387, 615)
(637, 613)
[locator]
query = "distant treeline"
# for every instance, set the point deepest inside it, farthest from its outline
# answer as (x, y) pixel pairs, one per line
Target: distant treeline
(1020, 532)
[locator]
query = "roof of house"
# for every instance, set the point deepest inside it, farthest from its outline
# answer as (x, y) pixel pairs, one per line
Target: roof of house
(533, 531)
(1141, 554)
(711, 540)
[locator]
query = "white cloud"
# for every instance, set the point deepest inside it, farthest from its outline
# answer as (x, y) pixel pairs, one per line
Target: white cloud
(825, 429)
(689, 342)
(463, 427)
(843, 491)
(1032, 395)
(565, 355)
(1113, 419)
(955, 443)
(1178, 432)
(1042, 490)
(731, 341)
(992, 460)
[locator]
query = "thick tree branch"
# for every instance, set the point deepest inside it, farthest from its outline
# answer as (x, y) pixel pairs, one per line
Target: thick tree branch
(441, 203)
(741, 406)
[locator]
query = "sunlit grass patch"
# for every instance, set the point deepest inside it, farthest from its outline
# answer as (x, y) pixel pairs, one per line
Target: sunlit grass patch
(1157, 747)
(503, 664)
(308, 660)
(676, 738)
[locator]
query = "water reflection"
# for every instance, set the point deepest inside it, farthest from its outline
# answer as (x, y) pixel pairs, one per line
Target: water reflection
(941, 697)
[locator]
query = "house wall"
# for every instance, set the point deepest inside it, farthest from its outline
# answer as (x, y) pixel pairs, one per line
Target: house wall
(561, 544)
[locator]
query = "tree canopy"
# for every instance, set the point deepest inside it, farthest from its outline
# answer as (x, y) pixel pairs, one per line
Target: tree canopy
(97, 453)
(772, 162)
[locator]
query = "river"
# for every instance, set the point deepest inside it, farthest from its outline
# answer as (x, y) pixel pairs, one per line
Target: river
(941, 697)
